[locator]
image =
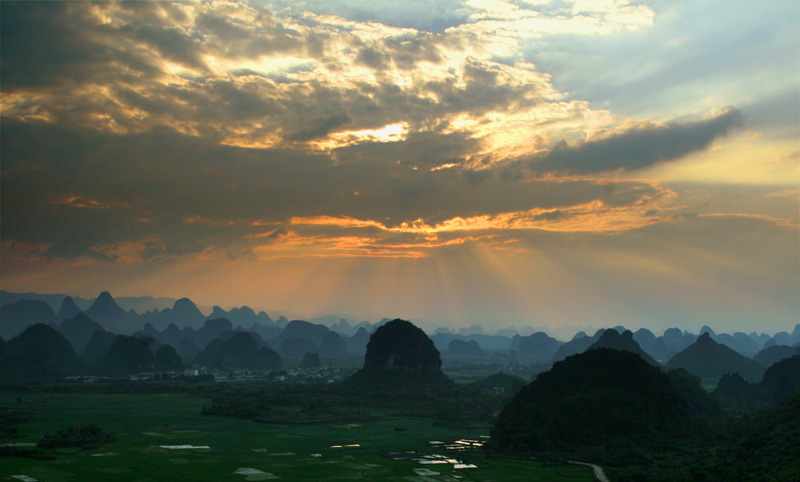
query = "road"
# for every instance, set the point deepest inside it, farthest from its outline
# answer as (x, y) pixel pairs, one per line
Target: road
(598, 471)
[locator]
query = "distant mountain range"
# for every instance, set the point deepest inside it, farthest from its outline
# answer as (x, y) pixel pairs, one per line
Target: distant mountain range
(92, 329)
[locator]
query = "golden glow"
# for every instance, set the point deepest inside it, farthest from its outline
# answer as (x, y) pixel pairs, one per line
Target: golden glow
(388, 133)
(745, 159)
(82, 202)
(593, 217)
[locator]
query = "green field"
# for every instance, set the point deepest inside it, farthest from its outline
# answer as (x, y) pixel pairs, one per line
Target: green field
(303, 452)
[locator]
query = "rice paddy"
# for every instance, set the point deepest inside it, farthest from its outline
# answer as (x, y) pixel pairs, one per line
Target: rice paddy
(164, 437)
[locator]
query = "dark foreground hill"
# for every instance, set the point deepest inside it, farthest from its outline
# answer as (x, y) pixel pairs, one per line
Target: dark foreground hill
(765, 446)
(709, 359)
(782, 380)
(596, 398)
(761, 447)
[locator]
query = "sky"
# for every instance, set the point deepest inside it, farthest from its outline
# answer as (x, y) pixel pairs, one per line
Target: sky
(506, 163)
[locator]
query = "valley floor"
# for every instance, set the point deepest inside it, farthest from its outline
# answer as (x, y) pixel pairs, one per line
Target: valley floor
(163, 437)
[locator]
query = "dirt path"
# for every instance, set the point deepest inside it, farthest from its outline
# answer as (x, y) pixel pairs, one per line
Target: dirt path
(598, 471)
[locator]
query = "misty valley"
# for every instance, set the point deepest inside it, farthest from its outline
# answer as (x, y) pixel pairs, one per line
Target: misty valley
(97, 392)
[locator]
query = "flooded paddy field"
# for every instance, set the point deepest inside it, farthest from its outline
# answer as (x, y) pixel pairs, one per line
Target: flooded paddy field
(164, 437)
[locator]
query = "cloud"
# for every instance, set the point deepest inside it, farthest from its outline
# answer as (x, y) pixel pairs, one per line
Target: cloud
(175, 194)
(321, 127)
(251, 77)
(203, 128)
(638, 147)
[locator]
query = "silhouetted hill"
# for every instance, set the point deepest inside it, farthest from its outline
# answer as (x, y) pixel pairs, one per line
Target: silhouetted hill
(295, 348)
(167, 359)
(266, 332)
(240, 351)
(625, 342)
(244, 316)
(310, 360)
(78, 330)
(593, 399)
(737, 394)
(537, 347)
(210, 330)
(769, 356)
(343, 327)
(472, 330)
(645, 338)
(98, 345)
(184, 313)
(152, 343)
(401, 361)
(332, 346)
(17, 316)
(690, 387)
(782, 379)
(763, 446)
(54, 300)
(739, 342)
(39, 352)
(441, 339)
(676, 340)
(68, 310)
(259, 341)
(401, 346)
(357, 344)
(305, 330)
(143, 304)
(170, 336)
(127, 355)
(187, 349)
(659, 350)
(108, 313)
(465, 349)
(577, 345)
(709, 359)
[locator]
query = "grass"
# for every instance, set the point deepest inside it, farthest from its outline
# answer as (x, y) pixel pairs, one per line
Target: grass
(143, 423)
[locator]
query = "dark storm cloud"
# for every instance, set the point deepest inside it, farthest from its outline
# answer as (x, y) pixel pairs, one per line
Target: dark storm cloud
(50, 44)
(639, 147)
(75, 245)
(317, 128)
(372, 58)
(172, 44)
(178, 194)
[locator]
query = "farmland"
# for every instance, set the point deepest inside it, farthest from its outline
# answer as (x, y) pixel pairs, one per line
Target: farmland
(162, 436)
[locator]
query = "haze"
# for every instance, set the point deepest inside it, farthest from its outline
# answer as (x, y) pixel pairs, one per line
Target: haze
(589, 163)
